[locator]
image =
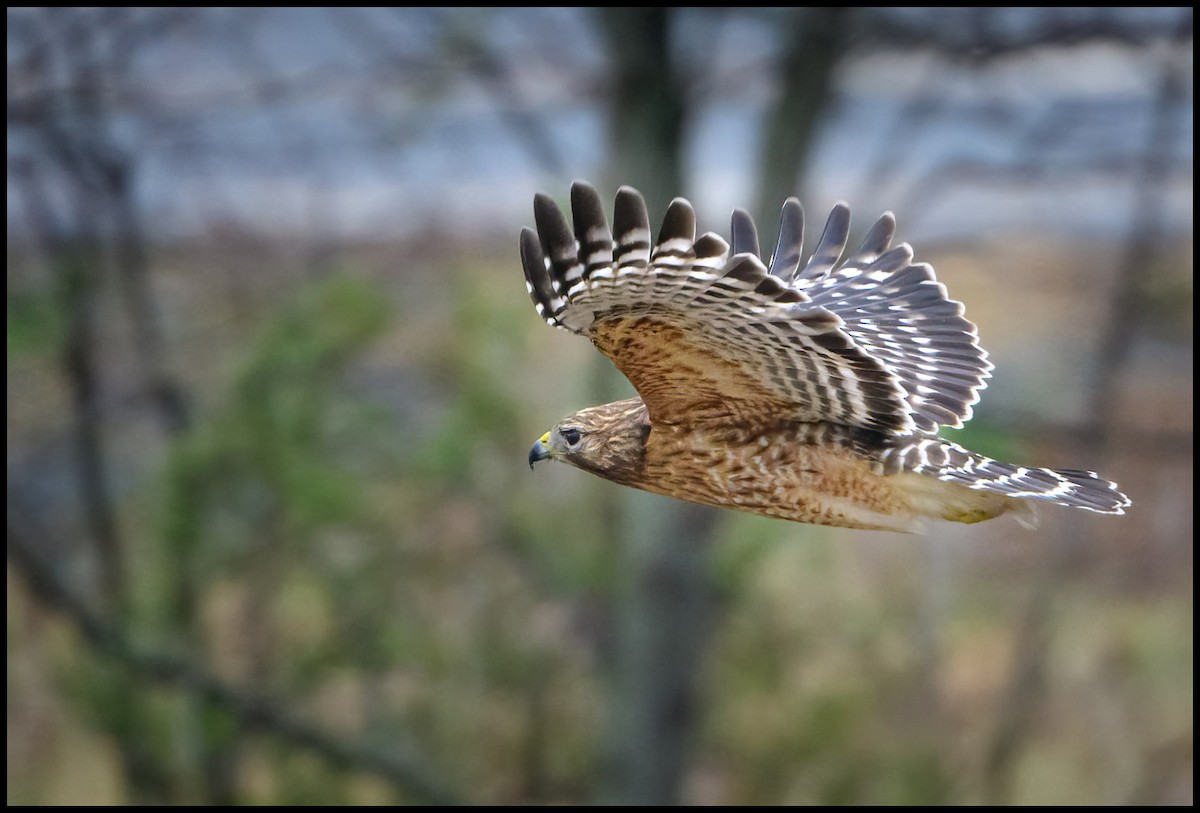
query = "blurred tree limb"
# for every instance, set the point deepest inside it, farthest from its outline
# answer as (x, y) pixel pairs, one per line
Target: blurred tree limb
(72, 260)
(664, 597)
(1144, 240)
(979, 34)
(71, 88)
(667, 598)
(495, 74)
(814, 44)
(459, 39)
(68, 73)
(648, 103)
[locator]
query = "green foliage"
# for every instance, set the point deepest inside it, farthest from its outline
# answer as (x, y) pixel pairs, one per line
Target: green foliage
(305, 780)
(350, 575)
(1168, 293)
(747, 538)
(806, 690)
(474, 360)
(269, 453)
(249, 493)
(35, 323)
(987, 439)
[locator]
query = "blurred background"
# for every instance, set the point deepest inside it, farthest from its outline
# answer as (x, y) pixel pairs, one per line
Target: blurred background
(273, 376)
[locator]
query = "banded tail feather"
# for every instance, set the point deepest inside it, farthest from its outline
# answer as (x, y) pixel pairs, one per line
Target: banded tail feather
(952, 463)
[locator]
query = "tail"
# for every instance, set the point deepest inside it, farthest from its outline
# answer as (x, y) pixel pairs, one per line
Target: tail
(950, 462)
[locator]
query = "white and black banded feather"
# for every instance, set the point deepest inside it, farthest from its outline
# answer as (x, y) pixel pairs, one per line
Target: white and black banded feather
(948, 461)
(892, 311)
(789, 246)
(729, 303)
(899, 313)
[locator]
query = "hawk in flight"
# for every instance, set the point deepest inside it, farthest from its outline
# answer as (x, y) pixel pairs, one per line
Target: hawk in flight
(809, 393)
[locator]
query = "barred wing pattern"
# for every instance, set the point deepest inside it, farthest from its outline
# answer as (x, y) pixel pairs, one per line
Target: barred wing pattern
(874, 342)
(894, 310)
(702, 335)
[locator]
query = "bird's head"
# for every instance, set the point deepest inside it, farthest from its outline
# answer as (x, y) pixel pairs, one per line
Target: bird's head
(607, 440)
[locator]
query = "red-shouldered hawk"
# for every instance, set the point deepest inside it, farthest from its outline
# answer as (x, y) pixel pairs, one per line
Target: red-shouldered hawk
(810, 394)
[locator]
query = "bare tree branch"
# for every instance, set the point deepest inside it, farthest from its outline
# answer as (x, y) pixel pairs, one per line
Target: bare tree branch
(665, 599)
(73, 261)
(815, 45)
(979, 35)
(1145, 235)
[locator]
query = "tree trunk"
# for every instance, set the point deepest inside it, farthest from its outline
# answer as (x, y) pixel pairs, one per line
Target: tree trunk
(665, 600)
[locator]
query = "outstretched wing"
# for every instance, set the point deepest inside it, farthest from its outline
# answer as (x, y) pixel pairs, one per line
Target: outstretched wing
(701, 335)
(704, 333)
(899, 313)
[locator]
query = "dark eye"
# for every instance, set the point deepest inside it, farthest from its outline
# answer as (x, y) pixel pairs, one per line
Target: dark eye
(571, 436)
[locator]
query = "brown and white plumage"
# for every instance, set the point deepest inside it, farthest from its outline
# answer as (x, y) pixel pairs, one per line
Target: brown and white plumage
(811, 394)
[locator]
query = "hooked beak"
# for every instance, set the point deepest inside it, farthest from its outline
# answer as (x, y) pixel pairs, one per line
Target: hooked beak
(540, 450)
